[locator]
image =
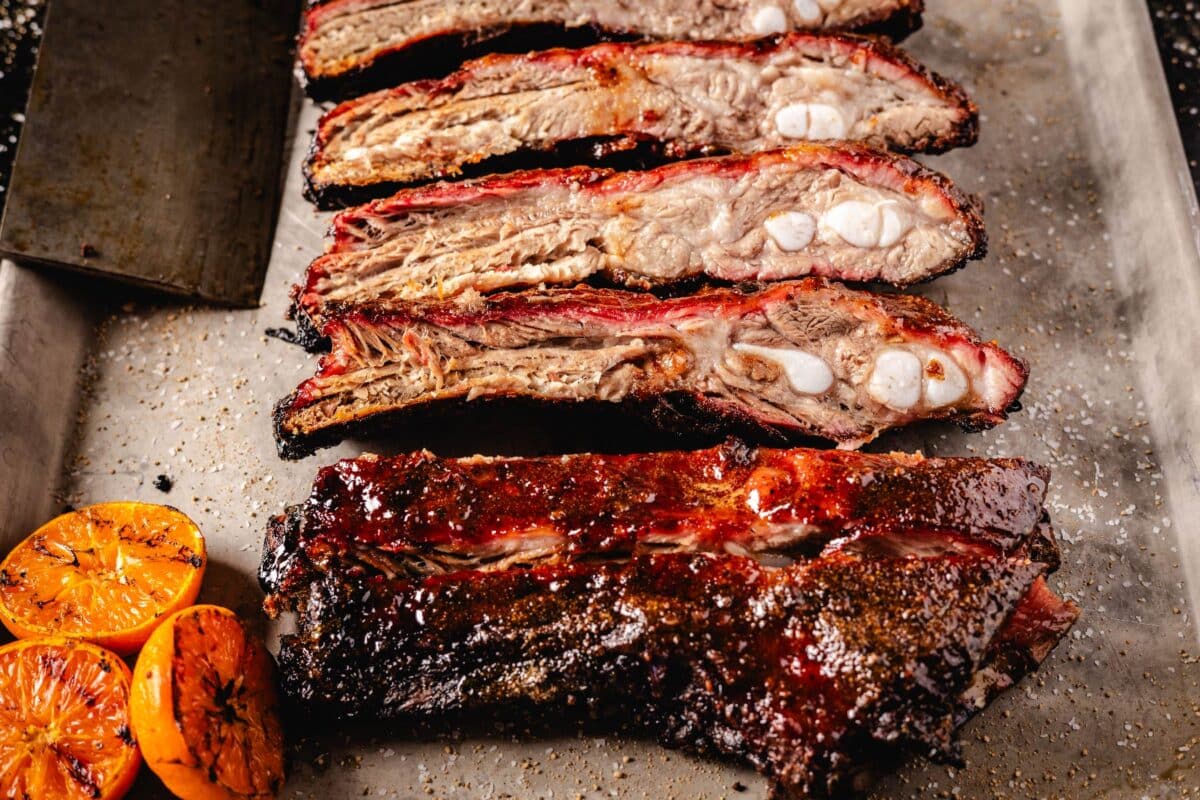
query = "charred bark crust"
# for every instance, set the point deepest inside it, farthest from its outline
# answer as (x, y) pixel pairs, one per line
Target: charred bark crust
(680, 420)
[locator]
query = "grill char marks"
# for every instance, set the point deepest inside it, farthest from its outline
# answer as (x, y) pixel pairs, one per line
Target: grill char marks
(669, 100)
(420, 514)
(729, 219)
(799, 358)
(357, 45)
(807, 672)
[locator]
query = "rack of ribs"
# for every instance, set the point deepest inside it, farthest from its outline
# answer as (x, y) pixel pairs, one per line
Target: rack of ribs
(637, 101)
(843, 212)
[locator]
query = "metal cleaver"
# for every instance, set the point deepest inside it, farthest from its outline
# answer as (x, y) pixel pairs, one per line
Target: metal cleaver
(153, 145)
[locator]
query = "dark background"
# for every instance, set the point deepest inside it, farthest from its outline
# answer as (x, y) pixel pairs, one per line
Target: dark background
(20, 29)
(1176, 22)
(1177, 25)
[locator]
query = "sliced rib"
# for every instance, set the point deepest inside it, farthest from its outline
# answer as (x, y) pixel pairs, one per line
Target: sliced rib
(418, 514)
(800, 358)
(665, 100)
(813, 673)
(355, 43)
(843, 212)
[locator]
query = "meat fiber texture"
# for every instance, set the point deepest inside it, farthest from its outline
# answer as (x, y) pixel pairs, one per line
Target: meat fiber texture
(800, 358)
(354, 44)
(420, 514)
(843, 212)
(657, 101)
(816, 673)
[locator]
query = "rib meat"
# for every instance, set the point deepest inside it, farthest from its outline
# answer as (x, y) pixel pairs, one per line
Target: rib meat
(418, 514)
(356, 43)
(844, 212)
(663, 100)
(800, 358)
(810, 672)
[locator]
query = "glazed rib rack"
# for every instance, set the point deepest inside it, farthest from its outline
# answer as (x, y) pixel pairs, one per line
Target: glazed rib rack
(420, 514)
(640, 582)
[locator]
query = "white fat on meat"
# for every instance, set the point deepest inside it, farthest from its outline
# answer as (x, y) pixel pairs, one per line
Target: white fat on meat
(808, 12)
(807, 373)
(811, 121)
(903, 379)
(945, 383)
(868, 224)
(791, 231)
(896, 380)
(768, 20)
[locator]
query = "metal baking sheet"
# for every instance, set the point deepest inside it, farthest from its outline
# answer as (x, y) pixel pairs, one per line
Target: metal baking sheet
(1094, 277)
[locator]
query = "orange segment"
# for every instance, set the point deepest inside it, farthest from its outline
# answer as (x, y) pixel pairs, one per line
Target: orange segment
(106, 574)
(206, 710)
(65, 728)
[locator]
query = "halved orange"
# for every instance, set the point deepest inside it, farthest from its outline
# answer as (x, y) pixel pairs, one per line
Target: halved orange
(206, 710)
(105, 574)
(65, 728)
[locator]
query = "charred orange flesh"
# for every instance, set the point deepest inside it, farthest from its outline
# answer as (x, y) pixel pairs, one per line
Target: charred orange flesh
(106, 574)
(205, 708)
(65, 729)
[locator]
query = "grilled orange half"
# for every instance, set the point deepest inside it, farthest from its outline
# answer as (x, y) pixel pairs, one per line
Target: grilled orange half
(65, 728)
(105, 574)
(206, 710)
